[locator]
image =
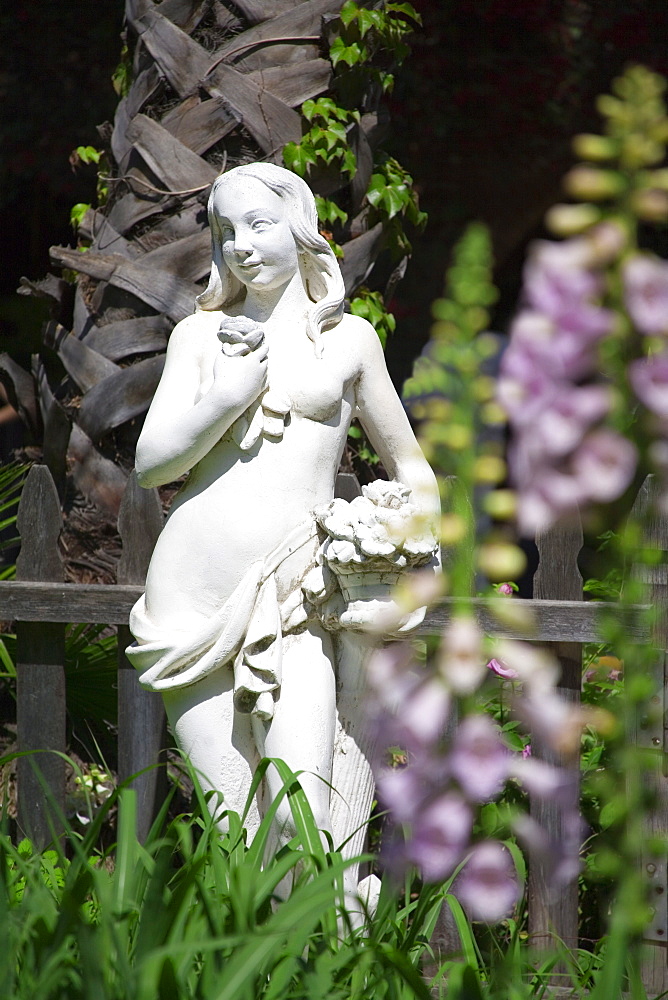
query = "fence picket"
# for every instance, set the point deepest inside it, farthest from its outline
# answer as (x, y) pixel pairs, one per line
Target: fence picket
(557, 578)
(40, 667)
(141, 715)
(651, 734)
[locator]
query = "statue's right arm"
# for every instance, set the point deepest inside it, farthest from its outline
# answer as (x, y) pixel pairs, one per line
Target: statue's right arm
(178, 432)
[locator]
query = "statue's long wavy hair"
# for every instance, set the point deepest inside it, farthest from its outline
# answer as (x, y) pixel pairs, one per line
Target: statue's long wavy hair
(317, 264)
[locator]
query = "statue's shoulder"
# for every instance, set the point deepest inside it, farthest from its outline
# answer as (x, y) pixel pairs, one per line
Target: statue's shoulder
(194, 331)
(358, 338)
(355, 329)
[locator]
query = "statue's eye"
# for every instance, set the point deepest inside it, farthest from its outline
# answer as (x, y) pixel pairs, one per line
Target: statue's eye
(259, 225)
(227, 233)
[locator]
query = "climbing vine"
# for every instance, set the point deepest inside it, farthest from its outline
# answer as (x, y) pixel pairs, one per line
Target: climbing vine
(365, 47)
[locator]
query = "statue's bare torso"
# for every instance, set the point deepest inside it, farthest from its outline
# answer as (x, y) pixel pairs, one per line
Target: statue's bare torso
(237, 506)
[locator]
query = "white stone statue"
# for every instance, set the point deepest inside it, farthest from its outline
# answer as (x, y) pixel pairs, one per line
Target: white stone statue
(244, 628)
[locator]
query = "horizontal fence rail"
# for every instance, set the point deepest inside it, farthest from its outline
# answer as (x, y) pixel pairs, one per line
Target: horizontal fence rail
(536, 620)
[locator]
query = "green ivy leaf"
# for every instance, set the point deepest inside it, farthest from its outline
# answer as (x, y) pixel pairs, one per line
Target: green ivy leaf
(308, 110)
(77, 213)
(368, 19)
(325, 107)
(349, 163)
(336, 133)
(349, 12)
(88, 154)
(298, 157)
(349, 54)
(329, 211)
(403, 8)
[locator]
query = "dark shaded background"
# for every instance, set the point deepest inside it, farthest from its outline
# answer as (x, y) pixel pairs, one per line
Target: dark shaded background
(483, 113)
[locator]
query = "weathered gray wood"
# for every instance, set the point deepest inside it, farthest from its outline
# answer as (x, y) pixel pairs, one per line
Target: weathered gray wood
(269, 120)
(186, 13)
(177, 166)
(186, 65)
(295, 83)
(130, 336)
(144, 86)
(140, 203)
(650, 732)
(200, 124)
(180, 58)
(57, 429)
(98, 478)
(40, 668)
(262, 10)
(303, 19)
(359, 256)
(90, 603)
(96, 227)
(83, 364)
(189, 257)
(555, 912)
(191, 215)
(540, 621)
(166, 293)
(347, 486)
(49, 288)
(20, 392)
(82, 319)
(93, 603)
(120, 398)
(141, 714)
(364, 157)
(140, 521)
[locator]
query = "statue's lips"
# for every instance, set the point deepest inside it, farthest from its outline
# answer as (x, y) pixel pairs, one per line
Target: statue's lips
(250, 267)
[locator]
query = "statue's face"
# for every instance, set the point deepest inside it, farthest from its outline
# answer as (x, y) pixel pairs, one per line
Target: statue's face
(257, 242)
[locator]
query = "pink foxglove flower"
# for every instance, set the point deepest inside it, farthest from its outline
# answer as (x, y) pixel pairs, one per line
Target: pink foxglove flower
(488, 887)
(536, 668)
(561, 427)
(479, 759)
(604, 465)
(646, 293)
(501, 669)
(649, 379)
(441, 833)
(462, 664)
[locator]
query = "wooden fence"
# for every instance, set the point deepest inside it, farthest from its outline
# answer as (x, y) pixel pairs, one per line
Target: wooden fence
(41, 604)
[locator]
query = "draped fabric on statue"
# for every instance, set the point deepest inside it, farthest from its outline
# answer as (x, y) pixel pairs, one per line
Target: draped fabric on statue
(246, 631)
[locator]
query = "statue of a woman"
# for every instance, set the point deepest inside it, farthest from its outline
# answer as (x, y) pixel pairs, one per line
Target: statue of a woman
(259, 388)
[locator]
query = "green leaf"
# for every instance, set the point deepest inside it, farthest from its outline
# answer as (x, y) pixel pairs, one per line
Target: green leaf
(367, 19)
(298, 157)
(308, 110)
(403, 8)
(349, 54)
(88, 154)
(349, 12)
(325, 107)
(350, 163)
(77, 213)
(336, 133)
(393, 200)
(329, 211)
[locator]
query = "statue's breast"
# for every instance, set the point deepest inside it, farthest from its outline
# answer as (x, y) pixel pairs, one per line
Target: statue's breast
(316, 397)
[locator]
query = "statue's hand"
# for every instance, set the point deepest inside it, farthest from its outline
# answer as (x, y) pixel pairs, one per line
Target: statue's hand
(240, 335)
(241, 378)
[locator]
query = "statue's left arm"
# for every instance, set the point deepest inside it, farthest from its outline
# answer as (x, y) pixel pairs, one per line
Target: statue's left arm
(385, 423)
